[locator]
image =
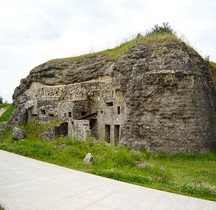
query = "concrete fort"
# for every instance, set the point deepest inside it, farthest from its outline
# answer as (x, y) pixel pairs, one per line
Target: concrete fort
(156, 95)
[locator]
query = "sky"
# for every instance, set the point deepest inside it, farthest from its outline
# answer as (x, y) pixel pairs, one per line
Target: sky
(35, 31)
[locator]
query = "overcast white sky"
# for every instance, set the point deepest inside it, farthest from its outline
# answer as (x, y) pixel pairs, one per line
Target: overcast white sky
(34, 31)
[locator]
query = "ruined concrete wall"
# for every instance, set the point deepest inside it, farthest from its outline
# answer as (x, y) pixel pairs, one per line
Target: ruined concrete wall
(56, 73)
(169, 99)
(158, 96)
(66, 71)
(55, 132)
(112, 113)
(81, 129)
(58, 102)
(69, 103)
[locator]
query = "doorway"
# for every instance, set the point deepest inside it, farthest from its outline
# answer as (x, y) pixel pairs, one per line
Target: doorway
(116, 134)
(107, 133)
(93, 128)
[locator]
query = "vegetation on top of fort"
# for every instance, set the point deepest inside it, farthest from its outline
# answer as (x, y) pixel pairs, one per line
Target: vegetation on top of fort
(151, 39)
(158, 34)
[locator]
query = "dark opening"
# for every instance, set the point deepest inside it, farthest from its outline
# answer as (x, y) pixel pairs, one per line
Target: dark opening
(43, 112)
(26, 117)
(101, 111)
(69, 114)
(61, 130)
(118, 110)
(51, 115)
(109, 103)
(34, 115)
(93, 128)
(116, 134)
(107, 133)
(83, 113)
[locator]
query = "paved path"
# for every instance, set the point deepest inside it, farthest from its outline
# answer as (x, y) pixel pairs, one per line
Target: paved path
(34, 185)
(2, 110)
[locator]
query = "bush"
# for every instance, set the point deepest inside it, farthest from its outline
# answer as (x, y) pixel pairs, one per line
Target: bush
(164, 29)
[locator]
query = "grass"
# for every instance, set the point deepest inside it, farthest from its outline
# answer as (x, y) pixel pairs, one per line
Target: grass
(6, 115)
(213, 64)
(115, 53)
(193, 175)
(154, 40)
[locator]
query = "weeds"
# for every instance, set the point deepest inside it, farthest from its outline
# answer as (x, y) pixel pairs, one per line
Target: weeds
(157, 35)
(203, 189)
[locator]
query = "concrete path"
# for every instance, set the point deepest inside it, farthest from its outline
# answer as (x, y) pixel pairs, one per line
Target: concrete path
(30, 184)
(2, 110)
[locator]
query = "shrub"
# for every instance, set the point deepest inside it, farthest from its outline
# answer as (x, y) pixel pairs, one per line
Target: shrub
(164, 29)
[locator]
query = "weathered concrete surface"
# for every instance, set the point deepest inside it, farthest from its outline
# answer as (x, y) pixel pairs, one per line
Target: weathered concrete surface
(27, 184)
(169, 98)
(157, 96)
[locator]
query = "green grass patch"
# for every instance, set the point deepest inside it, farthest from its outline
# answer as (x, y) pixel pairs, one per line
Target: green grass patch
(34, 129)
(116, 52)
(3, 105)
(213, 64)
(6, 115)
(78, 58)
(193, 175)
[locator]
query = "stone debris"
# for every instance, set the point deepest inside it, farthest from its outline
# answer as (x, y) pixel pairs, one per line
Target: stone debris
(18, 133)
(144, 164)
(88, 159)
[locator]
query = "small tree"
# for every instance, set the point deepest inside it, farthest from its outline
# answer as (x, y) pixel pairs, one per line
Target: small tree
(207, 58)
(165, 28)
(1, 100)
